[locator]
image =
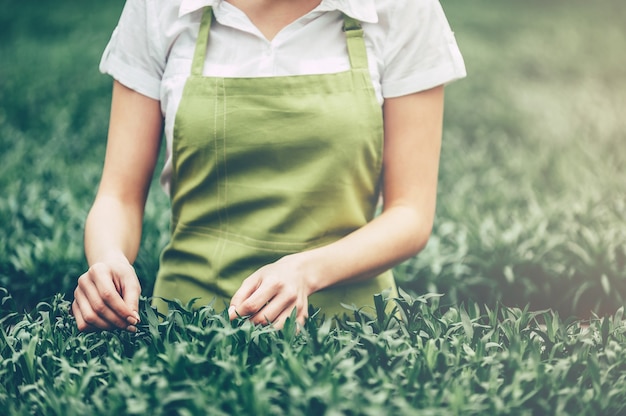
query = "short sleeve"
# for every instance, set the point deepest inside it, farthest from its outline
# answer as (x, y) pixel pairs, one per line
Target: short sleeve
(132, 55)
(420, 49)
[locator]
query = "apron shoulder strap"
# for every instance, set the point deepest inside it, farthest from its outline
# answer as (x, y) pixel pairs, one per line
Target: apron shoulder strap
(355, 42)
(203, 39)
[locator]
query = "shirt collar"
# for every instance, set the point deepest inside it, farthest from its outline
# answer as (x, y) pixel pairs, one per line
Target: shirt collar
(188, 6)
(362, 10)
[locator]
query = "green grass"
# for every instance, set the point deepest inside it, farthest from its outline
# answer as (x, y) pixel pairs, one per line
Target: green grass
(468, 360)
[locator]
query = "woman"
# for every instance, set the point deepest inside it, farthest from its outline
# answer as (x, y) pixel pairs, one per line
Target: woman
(285, 120)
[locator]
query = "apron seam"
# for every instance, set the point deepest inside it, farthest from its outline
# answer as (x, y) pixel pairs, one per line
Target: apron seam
(235, 237)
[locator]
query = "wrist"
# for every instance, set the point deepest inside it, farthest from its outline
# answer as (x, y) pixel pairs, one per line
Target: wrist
(310, 266)
(307, 268)
(113, 256)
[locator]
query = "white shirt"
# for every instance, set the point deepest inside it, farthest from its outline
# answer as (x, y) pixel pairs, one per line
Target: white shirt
(409, 43)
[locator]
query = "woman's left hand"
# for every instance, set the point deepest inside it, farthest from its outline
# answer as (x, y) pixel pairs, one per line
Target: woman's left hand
(270, 294)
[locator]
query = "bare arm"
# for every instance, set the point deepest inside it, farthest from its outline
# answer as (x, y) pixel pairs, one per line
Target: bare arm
(413, 128)
(107, 294)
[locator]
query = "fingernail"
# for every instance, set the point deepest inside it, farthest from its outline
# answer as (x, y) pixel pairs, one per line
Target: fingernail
(132, 320)
(137, 316)
(131, 328)
(231, 310)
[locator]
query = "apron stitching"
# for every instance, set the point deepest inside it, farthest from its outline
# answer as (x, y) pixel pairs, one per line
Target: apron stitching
(225, 112)
(223, 227)
(218, 247)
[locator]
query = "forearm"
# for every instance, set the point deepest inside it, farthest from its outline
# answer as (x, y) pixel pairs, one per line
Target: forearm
(113, 227)
(112, 231)
(397, 234)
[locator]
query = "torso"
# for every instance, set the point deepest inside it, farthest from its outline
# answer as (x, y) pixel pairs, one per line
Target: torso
(256, 162)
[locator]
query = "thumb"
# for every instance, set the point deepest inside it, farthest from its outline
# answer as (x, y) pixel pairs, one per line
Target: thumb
(248, 286)
(130, 293)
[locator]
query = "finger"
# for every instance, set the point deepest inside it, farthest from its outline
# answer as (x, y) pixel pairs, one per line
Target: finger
(88, 320)
(302, 314)
(98, 301)
(94, 300)
(279, 322)
(302, 317)
(107, 299)
(78, 316)
(85, 315)
(257, 300)
(130, 294)
(272, 310)
(248, 286)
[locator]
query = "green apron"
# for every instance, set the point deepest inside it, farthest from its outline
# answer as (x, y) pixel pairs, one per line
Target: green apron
(265, 167)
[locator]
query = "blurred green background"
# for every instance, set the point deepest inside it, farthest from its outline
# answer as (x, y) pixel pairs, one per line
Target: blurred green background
(532, 197)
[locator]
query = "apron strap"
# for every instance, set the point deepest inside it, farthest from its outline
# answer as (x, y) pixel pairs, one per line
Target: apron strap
(352, 28)
(355, 42)
(203, 39)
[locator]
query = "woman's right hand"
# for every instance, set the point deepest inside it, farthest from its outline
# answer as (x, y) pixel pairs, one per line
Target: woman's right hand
(107, 297)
